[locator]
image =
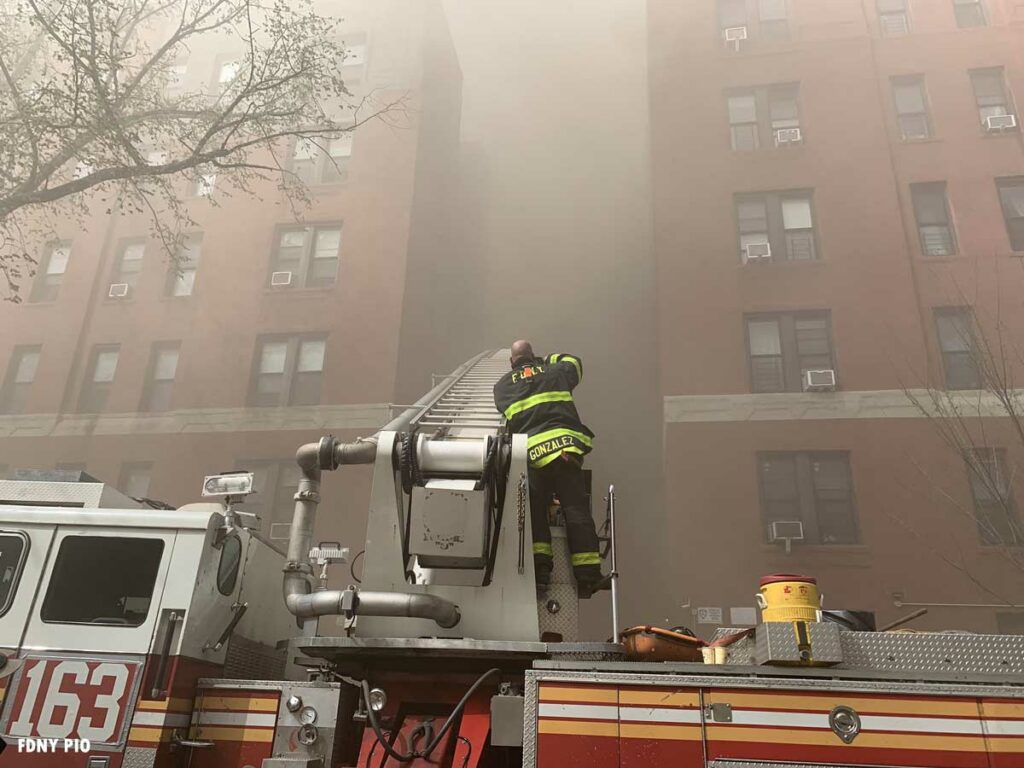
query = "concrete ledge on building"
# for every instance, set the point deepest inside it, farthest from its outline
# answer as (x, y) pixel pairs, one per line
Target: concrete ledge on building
(810, 406)
(366, 416)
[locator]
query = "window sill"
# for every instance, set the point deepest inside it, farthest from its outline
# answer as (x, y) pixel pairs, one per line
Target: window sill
(929, 140)
(1015, 133)
(822, 550)
(924, 257)
(782, 264)
(285, 291)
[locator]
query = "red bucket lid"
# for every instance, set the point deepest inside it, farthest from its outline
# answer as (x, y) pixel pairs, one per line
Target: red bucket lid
(777, 577)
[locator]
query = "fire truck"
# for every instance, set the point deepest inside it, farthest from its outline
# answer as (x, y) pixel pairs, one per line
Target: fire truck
(133, 636)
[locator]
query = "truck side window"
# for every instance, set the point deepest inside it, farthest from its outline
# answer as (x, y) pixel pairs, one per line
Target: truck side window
(102, 580)
(13, 547)
(230, 560)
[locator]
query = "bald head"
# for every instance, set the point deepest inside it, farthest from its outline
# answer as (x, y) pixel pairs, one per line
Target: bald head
(522, 351)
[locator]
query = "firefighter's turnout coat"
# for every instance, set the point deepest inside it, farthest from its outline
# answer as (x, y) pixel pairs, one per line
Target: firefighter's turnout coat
(536, 399)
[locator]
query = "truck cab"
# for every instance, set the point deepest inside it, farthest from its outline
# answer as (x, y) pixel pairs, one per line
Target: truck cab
(110, 612)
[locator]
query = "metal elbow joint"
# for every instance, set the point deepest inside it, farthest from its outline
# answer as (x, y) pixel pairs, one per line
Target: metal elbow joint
(443, 612)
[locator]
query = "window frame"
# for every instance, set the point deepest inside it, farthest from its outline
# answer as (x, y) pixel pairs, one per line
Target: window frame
(938, 188)
(766, 98)
(154, 598)
(146, 401)
(808, 502)
(1003, 503)
(46, 285)
(1008, 104)
(777, 237)
(291, 372)
(791, 358)
(124, 475)
(322, 162)
(192, 247)
(118, 273)
(26, 544)
(920, 81)
(977, 6)
(1016, 238)
(88, 392)
(307, 259)
(968, 315)
(883, 15)
(758, 27)
(9, 393)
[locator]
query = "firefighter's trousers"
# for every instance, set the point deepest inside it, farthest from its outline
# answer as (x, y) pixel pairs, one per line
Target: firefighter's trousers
(563, 477)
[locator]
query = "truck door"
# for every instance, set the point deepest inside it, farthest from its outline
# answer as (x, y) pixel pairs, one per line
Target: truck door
(88, 634)
(23, 553)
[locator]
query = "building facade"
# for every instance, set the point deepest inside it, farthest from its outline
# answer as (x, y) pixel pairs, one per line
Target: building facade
(838, 206)
(270, 330)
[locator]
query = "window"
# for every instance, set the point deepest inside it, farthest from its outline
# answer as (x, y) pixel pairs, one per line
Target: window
(96, 387)
(784, 220)
(176, 77)
(204, 185)
(134, 478)
(783, 347)
(275, 484)
(288, 370)
(969, 13)
(51, 272)
(81, 593)
(21, 372)
(893, 18)
(772, 17)
(931, 210)
(779, 104)
(813, 488)
(993, 498)
(126, 268)
(991, 94)
(743, 122)
(1011, 196)
(163, 365)
(955, 329)
(13, 549)
(322, 160)
(355, 52)
(227, 568)
(181, 277)
(227, 71)
(309, 256)
(912, 107)
(761, 18)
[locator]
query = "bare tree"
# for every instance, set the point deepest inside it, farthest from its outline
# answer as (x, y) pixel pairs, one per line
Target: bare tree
(981, 420)
(94, 110)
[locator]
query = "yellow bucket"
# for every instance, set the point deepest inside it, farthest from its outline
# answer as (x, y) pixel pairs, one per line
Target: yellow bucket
(789, 597)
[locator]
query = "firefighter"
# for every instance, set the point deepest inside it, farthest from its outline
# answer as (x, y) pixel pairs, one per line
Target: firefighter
(536, 399)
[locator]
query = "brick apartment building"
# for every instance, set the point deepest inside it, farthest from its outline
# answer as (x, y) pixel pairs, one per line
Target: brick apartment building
(273, 332)
(837, 187)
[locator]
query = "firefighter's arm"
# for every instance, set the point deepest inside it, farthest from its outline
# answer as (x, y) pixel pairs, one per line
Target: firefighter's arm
(572, 364)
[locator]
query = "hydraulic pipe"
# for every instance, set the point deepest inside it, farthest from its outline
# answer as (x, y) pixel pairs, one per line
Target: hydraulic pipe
(351, 602)
(329, 454)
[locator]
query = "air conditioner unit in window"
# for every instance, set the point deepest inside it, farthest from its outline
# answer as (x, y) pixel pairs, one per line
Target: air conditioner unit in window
(734, 36)
(788, 136)
(820, 381)
(997, 123)
(118, 290)
(757, 252)
(281, 278)
(786, 531)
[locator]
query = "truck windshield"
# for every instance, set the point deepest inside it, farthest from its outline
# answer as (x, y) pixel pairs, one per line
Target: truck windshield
(12, 555)
(102, 580)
